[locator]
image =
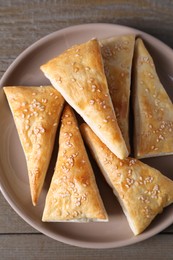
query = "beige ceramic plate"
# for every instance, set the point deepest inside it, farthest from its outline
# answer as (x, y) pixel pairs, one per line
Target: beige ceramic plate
(13, 175)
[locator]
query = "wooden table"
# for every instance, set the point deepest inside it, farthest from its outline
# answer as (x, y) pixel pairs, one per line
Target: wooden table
(22, 22)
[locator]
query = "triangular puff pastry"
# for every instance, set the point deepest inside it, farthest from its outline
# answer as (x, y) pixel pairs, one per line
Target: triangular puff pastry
(36, 112)
(117, 53)
(73, 195)
(153, 109)
(142, 191)
(78, 74)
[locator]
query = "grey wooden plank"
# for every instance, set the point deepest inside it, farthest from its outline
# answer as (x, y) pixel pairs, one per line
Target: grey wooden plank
(25, 21)
(41, 247)
(10, 222)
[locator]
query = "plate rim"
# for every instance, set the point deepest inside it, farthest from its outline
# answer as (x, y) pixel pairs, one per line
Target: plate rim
(9, 199)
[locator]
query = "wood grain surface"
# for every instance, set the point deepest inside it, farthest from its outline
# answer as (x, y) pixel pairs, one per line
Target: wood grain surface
(23, 22)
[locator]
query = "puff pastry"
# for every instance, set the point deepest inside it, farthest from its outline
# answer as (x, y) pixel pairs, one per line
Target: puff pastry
(78, 74)
(36, 112)
(142, 191)
(117, 53)
(73, 195)
(153, 109)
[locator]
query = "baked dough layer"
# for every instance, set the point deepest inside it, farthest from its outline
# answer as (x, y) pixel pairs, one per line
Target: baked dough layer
(142, 191)
(36, 112)
(117, 53)
(78, 74)
(73, 195)
(153, 109)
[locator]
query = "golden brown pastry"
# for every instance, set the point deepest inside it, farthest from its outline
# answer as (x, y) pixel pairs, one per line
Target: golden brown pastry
(117, 53)
(73, 195)
(36, 112)
(153, 109)
(78, 74)
(142, 191)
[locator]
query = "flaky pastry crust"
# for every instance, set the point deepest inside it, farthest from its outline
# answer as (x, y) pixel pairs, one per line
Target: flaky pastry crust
(36, 112)
(78, 74)
(73, 195)
(142, 191)
(117, 53)
(153, 109)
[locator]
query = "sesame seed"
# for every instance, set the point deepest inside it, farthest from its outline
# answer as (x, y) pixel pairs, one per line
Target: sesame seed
(156, 187)
(72, 185)
(27, 127)
(35, 113)
(141, 198)
(44, 100)
(76, 213)
(76, 69)
(64, 178)
(129, 171)
(150, 75)
(105, 120)
(68, 144)
(93, 88)
(59, 80)
(42, 130)
(42, 108)
(129, 181)
(78, 203)
(90, 80)
(92, 102)
(30, 115)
